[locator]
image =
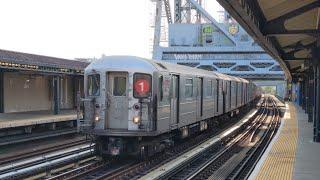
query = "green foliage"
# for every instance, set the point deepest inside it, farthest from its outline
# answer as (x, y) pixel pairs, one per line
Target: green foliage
(269, 89)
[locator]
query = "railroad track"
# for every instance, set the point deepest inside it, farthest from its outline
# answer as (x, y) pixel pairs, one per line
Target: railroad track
(245, 168)
(40, 162)
(22, 138)
(24, 155)
(233, 157)
(134, 169)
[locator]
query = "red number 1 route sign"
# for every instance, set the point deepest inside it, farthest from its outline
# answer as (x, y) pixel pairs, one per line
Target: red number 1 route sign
(142, 86)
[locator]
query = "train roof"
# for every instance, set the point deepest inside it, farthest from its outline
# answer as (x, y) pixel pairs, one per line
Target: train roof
(146, 65)
(116, 63)
(194, 71)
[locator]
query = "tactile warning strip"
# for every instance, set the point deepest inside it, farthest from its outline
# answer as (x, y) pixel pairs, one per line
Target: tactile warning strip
(280, 161)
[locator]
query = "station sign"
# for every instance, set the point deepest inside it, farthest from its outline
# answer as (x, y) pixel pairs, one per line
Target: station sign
(214, 56)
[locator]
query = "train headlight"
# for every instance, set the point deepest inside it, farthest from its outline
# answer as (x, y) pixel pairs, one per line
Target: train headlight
(136, 119)
(96, 118)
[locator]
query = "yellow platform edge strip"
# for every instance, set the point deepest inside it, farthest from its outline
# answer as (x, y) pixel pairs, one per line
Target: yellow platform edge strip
(280, 161)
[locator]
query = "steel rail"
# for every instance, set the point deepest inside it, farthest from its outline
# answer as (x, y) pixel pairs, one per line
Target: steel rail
(134, 170)
(18, 174)
(15, 139)
(39, 163)
(80, 171)
(210, 146)
(39, 152)
(246, 168)
(223, 152)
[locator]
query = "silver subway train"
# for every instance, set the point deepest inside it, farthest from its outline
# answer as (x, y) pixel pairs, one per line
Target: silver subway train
(136, 106)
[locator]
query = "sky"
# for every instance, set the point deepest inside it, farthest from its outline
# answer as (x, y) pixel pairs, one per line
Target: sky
(79, 28)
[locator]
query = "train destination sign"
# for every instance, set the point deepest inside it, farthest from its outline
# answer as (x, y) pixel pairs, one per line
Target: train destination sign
(142, 86)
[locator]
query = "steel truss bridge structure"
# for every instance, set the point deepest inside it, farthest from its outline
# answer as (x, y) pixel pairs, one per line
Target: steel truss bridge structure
(191, 36)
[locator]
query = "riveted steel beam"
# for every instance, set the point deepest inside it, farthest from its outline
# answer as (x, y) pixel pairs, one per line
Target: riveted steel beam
(299, 46)
(282, 31)
(247, 15)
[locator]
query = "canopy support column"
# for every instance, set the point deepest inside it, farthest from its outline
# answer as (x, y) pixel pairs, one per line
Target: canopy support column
(317, 103)
(316, 65)
(1, 91)
(311, 94)
(56, 95)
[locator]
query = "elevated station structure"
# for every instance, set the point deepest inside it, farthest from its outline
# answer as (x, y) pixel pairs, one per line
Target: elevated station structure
(37, 89)
(289, 30)
(194, 38)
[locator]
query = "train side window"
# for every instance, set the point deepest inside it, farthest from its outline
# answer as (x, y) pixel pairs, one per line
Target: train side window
(161, 88)
(189, 88)
(119, 86)
(94, 85)
(209, 88)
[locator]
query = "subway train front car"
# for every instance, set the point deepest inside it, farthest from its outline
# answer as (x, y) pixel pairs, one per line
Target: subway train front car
(119, 105)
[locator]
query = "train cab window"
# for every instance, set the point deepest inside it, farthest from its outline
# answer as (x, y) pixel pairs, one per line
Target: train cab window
(94, 85)
(209, 88)
(189, 88)
(119, 86)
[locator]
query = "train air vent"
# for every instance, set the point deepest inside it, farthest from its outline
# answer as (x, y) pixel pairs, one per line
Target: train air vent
(189, 64)
(161, 65)
(207, 67)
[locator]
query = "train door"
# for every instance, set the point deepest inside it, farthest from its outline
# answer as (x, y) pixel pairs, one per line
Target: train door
(236, 105)
(224, 92)
(175, 99)
(199, 97)
(230, 95)
(117, 100)
(217, 96)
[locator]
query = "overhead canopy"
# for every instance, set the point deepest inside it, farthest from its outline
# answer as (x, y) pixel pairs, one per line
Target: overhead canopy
(33, 62)
(286, 29)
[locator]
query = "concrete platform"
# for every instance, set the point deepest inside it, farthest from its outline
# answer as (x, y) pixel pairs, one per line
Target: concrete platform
(307, 164)
(292, 154)
(10, 120)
